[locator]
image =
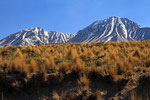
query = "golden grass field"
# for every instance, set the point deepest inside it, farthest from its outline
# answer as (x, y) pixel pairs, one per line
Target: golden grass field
(76, 71)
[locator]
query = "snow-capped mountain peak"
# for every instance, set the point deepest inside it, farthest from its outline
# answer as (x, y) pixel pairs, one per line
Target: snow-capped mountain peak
(34, 36)
(110, 29)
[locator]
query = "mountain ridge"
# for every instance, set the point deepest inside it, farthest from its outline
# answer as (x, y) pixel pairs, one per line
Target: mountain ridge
(34, 36)
(109, 29)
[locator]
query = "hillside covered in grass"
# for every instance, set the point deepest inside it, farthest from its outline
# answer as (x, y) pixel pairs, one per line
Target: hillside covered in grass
(76, 71)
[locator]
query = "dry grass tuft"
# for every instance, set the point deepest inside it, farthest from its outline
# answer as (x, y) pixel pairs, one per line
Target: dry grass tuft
(34, 66)
(26, 68)
(56, 96)
(18, 53)
(64, 67)
(147, 62)
(72, 54)
(37, 51)
(137, 52)
(52, 64)
(84, 81)
(1, 59)
(78, 67)
(47, 62)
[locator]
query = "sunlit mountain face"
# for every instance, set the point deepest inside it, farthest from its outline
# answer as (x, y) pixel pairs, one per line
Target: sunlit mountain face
(110, 29)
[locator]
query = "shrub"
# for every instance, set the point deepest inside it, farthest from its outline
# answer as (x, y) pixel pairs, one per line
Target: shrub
(95, 49)
(55, 96)
(18, 62)
(83, 44)
(84, 81)
(18, 53)
(37, 51)
(137, 52)
(120, 68)
(134, 96)
(34, 65)
(114, 71)
(72, 54)
(58, 60)
(133, 60)
(93, 69)
(48, 55)
(56, 53)
(47, 62)
(113, 55)
(30, 48)
(128, 65)
(44, 71)
(147, 63)
(64, 67)
(79, 50)
(98, 94)
(65, 51)
(1, 59)
(52, 50)
(99, 62)
(84, 56)
(90, 54)
(78, 67)
(52, 64)
(26, 68)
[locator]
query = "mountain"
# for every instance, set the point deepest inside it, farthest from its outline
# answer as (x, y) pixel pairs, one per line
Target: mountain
(112, 29)
(34, 36)
(142, 34)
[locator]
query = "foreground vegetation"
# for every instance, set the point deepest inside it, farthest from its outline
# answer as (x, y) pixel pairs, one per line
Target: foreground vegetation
(76, 71)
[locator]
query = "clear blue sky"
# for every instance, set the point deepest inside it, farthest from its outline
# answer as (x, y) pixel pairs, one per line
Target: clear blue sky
(67, 16)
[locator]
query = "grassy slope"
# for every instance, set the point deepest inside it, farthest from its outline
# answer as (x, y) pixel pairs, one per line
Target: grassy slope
(76, 71)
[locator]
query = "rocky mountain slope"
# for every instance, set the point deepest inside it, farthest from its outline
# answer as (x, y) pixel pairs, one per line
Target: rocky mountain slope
(142, 34)
(112, 29)
(34, 36)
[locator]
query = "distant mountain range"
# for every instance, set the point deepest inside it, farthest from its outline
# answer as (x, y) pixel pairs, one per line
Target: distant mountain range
(110, 29)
